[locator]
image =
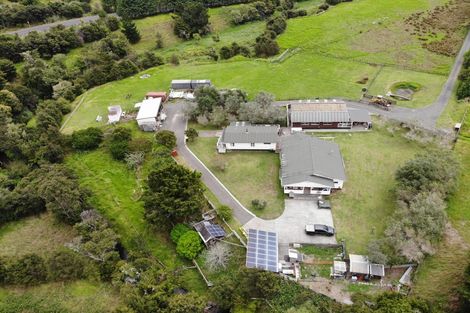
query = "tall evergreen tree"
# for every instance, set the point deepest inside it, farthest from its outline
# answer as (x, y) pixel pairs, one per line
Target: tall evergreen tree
(130, 31)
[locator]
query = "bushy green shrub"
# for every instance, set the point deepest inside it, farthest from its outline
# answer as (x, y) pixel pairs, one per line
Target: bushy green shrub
(258, 204)
(276, 24)
(119, 143)
(166, 138)
(87, 139)
(189, 245)
(178, 231)
(225, 212)
(28, 270)
(65, 265)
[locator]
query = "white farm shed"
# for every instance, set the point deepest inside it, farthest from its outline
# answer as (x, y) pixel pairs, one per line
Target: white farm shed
(147, 118)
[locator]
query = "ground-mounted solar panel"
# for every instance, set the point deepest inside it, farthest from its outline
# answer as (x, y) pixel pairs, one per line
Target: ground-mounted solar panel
(262, 250)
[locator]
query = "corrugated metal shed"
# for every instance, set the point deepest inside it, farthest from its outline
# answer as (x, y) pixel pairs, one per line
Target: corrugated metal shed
(359, 116)
(199, 83)
(319, 117)
(149, 108)
(181, 84)
(359, 264)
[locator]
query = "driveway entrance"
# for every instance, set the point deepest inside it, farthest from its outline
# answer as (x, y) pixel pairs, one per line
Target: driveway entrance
(290, 226)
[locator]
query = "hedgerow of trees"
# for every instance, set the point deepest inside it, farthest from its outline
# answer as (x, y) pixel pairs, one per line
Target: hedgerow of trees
(463, 88)
(58, 39)
(423, 185)
(31, 12)
(219, 108)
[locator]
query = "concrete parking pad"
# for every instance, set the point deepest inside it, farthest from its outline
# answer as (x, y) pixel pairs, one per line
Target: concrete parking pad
(290, 226)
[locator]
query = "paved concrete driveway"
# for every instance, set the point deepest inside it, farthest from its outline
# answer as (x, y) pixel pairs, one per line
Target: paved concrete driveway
(290, 226)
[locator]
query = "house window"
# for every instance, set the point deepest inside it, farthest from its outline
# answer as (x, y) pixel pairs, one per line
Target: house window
(267, 143)
(252, 144)
(233, 144)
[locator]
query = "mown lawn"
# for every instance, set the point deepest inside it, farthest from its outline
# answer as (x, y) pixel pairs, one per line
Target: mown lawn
(248, 175)
(361, 208)
(429, 92)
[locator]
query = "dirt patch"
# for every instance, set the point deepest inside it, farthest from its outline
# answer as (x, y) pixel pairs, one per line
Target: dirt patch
(330, 289)
(440, 29)
(452, 237)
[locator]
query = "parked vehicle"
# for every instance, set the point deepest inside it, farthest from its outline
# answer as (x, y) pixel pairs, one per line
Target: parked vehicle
(319, 229)
(324, 204)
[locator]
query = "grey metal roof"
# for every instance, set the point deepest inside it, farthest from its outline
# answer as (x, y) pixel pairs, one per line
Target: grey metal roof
(358, 115)
(359, 264)
(377, 269)
(307, 158)
(319, 116)
(243, 132)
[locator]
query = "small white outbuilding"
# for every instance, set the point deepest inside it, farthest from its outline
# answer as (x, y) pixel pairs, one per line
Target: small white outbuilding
(114, 114)
(147, 118)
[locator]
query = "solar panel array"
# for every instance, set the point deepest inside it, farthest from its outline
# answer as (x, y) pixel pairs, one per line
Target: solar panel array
(262, 251)
(215, 230)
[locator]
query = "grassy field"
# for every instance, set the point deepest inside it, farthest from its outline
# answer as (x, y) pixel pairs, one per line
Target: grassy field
(74, 297)
(248, 175)
(328, 63)
(425, 96)
(355, 31)
(440, 276)
(365, 202)
(453, 113)
(308, 76)
(39, 234)
(42, 235)
(116, 192)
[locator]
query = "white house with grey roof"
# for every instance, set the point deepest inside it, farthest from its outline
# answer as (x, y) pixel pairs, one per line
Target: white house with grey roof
(310, 166)
(246, 136)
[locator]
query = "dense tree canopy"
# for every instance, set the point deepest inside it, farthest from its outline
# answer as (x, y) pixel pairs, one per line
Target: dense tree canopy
(174, 194)
(191, 18)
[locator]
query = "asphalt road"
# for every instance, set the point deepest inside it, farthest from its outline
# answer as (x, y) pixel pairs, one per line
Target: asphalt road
(45, 27)
(176, 122)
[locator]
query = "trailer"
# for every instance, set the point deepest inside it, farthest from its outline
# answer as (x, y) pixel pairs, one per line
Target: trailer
(379, 101)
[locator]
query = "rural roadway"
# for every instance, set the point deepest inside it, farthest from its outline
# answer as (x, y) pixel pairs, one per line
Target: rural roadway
(45, 27)
(424, 117)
